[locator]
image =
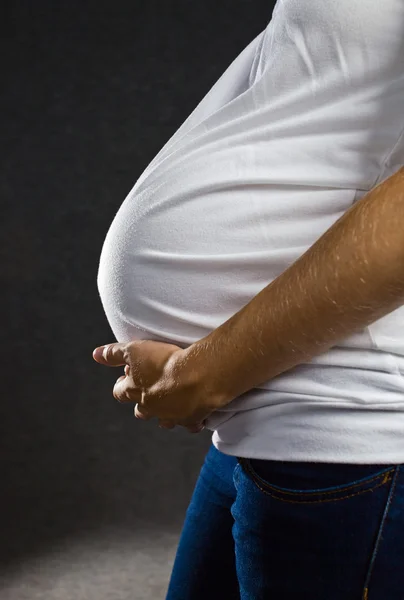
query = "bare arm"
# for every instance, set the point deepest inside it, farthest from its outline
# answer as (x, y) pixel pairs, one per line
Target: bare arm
(352, 276)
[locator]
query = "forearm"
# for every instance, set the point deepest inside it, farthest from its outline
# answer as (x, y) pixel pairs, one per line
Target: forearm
(352, 276)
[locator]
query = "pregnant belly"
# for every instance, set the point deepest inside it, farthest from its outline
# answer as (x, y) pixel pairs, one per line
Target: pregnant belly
(175, 270)
(157, 282)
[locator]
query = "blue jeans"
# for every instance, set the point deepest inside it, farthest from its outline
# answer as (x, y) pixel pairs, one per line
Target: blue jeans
(273, 530)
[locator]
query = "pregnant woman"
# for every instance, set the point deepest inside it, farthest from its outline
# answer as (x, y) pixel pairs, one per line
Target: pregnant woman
(254, 281)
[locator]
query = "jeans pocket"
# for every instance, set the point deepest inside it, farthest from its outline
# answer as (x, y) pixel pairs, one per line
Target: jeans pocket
(315, 482)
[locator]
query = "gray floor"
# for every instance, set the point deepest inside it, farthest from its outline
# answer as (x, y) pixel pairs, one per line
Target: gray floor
(102, 530)
(120, 565)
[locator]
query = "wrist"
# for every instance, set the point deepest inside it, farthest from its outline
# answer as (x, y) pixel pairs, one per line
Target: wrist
(198, 365)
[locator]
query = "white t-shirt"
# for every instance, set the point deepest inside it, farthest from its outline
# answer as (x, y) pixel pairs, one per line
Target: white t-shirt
(305, 121)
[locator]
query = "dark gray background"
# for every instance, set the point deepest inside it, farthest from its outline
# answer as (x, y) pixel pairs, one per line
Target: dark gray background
(90, 92)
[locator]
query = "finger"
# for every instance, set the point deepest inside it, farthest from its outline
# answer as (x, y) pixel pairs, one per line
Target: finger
(127, 370)
(124, 391)
(196, 428)
(119, 392)
(111, 355)
(140, 413)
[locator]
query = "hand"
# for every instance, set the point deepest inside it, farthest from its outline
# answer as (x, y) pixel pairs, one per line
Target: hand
(158, 379)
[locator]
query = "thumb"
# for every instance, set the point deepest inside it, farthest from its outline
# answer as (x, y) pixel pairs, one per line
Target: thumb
(111, 355)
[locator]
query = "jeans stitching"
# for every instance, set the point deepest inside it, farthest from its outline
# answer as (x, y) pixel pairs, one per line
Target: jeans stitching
(386, 478)
(321, 501)
(379, 536)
